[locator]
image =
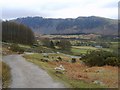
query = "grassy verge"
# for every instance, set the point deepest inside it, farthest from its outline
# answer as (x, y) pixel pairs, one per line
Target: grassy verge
(70, 78)
(5, 74)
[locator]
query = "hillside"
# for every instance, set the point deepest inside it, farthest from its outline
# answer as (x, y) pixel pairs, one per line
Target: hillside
(93, 24)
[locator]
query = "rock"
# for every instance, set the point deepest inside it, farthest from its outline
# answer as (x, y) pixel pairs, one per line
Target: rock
(60, 69)
(45, 60)
(57, 60)
(99, 71)
(58, 52)
(9, 47)
(86, 70)
(98, 82)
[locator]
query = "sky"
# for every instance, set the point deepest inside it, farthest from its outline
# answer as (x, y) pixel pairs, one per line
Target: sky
(10, 9)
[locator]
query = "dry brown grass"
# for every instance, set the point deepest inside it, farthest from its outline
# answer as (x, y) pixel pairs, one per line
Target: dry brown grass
(106, 74)
(4, 74)
(6, 51)
(0, 70)
(77, 72)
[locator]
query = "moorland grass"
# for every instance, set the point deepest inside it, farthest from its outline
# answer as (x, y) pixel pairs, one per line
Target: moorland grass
(5, 75)
(49, 67)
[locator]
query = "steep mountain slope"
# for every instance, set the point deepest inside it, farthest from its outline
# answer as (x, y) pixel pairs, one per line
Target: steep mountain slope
(91, 24)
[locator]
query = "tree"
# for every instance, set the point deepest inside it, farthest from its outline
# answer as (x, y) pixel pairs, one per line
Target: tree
(51, 44)
(64, 45)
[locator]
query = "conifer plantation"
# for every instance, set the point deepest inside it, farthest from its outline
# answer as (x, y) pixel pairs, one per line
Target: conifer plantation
(17, 33)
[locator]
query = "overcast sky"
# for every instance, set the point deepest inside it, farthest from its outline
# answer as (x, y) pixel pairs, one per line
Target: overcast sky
(59, 8)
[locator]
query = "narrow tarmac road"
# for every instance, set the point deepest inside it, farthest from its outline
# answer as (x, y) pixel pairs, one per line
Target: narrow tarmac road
(27, 75)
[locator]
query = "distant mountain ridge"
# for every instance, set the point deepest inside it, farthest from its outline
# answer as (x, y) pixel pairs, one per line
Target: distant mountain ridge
(92, 24)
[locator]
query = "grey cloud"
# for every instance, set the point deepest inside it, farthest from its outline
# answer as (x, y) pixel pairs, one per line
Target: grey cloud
(14, 13)
(111, 5)
(59, 6)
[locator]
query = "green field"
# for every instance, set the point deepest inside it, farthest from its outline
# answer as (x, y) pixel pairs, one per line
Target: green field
(77, 50)
(24, 46)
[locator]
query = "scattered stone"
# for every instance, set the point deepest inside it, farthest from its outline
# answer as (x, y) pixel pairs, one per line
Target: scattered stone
(45, 60)
(60, 69)
(98, 82)
(86, 70)
(9, 47)
(99, 71)
(58, 52)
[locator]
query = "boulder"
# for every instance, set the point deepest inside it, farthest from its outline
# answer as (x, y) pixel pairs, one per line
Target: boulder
(45, 60)
(60, 69)
(98, 82)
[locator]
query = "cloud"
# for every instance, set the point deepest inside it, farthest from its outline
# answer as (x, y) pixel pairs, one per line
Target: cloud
(111, 4)
(14, 13)
(59, 8)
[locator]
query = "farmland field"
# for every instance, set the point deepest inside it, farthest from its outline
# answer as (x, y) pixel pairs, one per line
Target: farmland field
(81, 49)
(77, 50)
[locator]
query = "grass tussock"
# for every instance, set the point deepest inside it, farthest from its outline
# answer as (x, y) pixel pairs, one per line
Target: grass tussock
(5, 74)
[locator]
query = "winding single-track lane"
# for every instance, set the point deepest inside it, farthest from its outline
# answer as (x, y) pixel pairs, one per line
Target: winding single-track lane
(27, 75)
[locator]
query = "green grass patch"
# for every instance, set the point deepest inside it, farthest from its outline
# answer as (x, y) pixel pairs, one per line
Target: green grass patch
(24, 46)
(77, 50)
(84, 47)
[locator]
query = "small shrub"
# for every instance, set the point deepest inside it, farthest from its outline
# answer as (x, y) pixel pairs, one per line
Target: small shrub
(52, 57)
(101, 58)
(73, 60)
(59, 58)
(112, 61)
(16, 48)
(45, 60)
(46, 56)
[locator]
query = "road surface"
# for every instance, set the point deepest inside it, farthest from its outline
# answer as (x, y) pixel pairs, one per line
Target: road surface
(27, 75)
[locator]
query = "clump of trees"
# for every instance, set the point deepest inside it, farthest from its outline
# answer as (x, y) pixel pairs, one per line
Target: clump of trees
(17, 33)
(64, 45)
(101, 58)
(48, 43)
